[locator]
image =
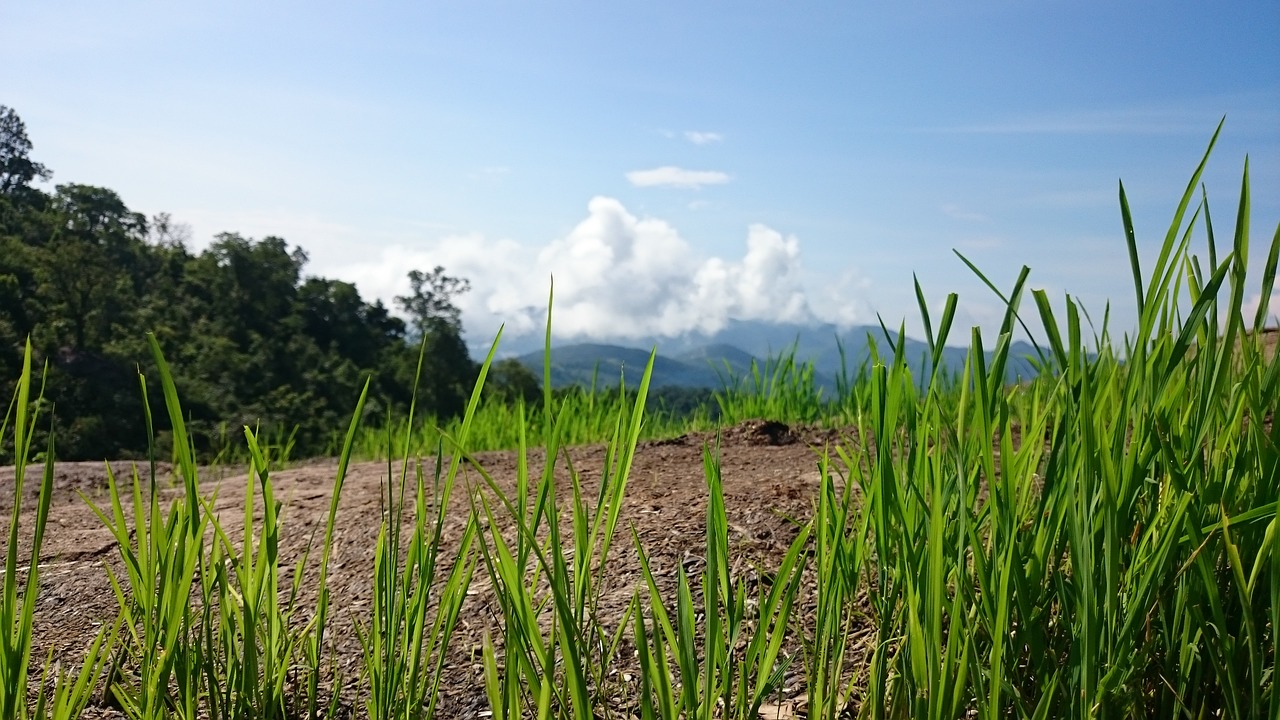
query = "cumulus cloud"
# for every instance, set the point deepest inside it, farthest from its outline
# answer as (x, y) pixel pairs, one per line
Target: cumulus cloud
(702, 138)
(672, 176)
(620, 276)
(1250, 308)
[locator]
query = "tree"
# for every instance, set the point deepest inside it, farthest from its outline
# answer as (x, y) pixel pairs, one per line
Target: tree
(97, 214)
(17, 170)
(429, 303)
(510, 381)
(448, 372)
(165, 232)
(94, 266)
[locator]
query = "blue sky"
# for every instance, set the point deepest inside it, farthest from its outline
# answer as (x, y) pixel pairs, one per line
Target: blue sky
(674, 165)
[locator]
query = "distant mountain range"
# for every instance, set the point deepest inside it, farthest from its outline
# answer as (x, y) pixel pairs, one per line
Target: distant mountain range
(702, 361)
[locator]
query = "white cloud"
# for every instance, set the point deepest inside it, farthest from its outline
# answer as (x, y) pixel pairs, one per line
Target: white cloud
(672, 176)
(1250, 308)
(953, 210)
(490, 172)
(970, 313)
(618, 276)
(702, 138)
(982, 242)
(316, 233)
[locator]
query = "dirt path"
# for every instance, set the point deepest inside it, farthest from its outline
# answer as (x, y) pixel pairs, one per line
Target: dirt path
(769, 472)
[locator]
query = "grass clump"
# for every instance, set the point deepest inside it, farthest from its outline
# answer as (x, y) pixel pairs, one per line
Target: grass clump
(1100, 544)
(59, 693)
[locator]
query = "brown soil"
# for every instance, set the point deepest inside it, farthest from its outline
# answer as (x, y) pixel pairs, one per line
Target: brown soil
(1270, 341)
(770, 473)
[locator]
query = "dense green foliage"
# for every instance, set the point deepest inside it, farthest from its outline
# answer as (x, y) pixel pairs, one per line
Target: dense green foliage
(254, 340)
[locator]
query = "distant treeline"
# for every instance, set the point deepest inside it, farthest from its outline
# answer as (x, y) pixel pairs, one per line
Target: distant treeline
(251, 338)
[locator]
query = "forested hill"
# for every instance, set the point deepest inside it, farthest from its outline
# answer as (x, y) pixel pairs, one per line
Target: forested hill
(252, 339)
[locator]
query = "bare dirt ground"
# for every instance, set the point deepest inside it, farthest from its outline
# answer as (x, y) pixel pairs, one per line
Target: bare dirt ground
(770, 473)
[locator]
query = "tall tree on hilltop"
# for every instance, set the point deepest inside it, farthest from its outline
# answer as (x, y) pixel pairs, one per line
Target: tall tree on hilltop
(93, 268)
(17, 169)
(448, 372)
(429, 303)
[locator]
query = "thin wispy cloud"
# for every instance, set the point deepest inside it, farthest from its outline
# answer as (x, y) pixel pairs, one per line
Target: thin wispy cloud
(1105, 122)
(702, 138)
(676, 177)
(986, 242)
(952, 210)
(490, 172)
(321, 233)
(1074, 199)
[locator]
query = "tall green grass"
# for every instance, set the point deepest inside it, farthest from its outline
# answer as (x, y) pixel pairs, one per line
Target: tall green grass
(210, 628)
(556, 649)
(59, 694)
(16, 615)
(1098, 543)
(406, 641)
(728, 664)
(1103, 545)
(583, 416)
(782, 388)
